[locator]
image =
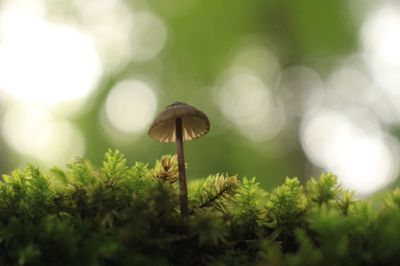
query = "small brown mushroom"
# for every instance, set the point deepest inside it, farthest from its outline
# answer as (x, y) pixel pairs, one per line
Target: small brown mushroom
(177, 123)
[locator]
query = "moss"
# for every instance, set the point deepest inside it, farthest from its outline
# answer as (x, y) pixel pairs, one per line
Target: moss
(129, 215)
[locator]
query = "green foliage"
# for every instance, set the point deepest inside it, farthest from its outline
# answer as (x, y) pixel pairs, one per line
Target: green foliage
(214, 191)
(325, 190)
(166, 169)
(129, 215)
(286, 205)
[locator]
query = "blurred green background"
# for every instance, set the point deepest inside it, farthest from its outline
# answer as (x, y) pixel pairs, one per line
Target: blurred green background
(292, 88)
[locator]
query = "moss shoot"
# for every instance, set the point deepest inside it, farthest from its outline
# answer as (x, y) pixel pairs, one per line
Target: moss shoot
(129, 215)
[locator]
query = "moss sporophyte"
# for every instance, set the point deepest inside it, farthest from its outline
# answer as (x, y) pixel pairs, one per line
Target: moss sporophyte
(180, 122)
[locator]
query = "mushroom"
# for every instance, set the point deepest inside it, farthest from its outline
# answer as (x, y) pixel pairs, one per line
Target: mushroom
(180, 122)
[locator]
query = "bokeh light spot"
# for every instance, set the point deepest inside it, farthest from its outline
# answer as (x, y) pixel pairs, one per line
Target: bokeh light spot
(36, 133)
(300, 88)
(359, 154)
(258, 59)
(148, 36)
(247, 102)
(130, 106)
(45, 63)
(109, 22)
(380, 39)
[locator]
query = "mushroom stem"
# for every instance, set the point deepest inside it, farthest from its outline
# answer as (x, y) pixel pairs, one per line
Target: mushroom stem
(183, 195)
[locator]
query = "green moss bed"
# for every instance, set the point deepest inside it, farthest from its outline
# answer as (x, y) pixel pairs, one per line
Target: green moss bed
(129, 215)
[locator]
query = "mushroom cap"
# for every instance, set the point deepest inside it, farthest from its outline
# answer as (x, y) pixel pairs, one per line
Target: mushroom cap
(194, 123)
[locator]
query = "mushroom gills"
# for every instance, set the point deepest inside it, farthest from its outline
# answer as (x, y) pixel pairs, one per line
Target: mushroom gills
(192, 127)
(164, 132)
